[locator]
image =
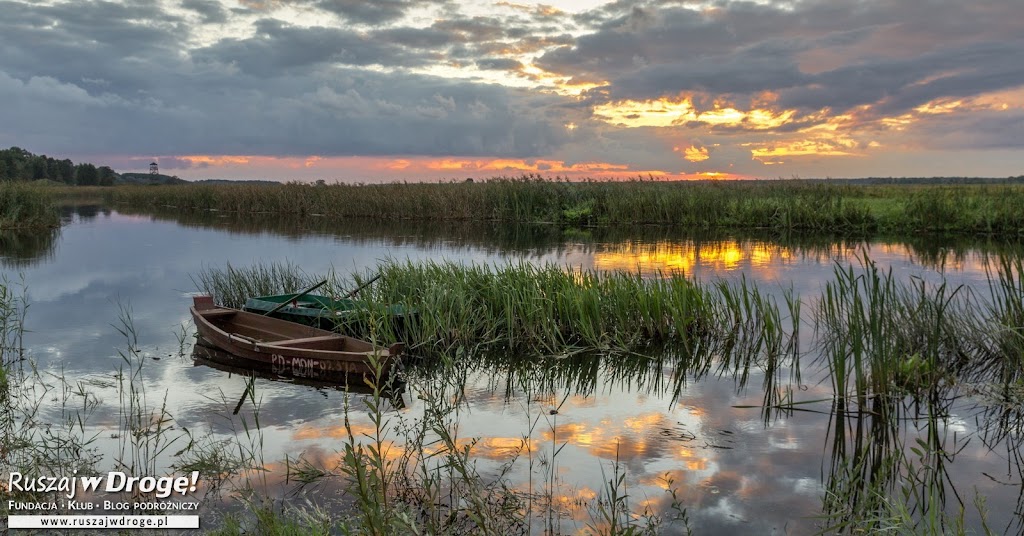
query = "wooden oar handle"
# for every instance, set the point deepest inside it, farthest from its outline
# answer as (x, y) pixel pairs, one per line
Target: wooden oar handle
(285, 303)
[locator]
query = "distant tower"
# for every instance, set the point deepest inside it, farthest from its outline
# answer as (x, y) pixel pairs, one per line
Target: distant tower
(153, 169)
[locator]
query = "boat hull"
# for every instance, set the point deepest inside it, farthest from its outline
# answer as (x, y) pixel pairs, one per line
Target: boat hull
(288, 347)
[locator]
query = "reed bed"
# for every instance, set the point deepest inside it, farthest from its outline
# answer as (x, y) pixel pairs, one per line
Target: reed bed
(874, 335)
(882, 337)
(528, 309)
(1005, 312)
(775, 205)
(232, 286)
(879, 336)
(900, 356)
(12, 330)
(24, 206)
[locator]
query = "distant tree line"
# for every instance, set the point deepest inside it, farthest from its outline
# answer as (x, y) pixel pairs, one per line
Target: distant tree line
(17, 164)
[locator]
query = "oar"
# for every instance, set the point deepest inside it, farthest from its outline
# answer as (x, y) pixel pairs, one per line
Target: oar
(361, 287)
(285, 303)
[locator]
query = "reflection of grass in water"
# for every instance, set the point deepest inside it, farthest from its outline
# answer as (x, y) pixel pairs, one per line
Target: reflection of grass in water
(882, 337)
(23, 248)
(43, 416)
(888, 472)
(1005, 344)
(431, 483)
(887, 345)
(929, 250)
(898, 354)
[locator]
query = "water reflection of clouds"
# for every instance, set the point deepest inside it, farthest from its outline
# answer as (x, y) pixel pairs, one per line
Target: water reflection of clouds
(756, 478)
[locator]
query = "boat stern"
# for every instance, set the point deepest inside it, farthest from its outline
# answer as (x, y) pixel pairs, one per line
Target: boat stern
(202, 303)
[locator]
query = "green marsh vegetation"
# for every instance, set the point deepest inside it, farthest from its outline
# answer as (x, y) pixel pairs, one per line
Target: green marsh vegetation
(24, 206)
(536, 310)
(775, 205)
(900, 358)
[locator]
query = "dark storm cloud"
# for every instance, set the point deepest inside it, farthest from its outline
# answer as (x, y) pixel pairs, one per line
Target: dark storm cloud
(126, 77)
(892, 54)
(751, 70)
(499, 64)
(900, 85)
(372, 12)
(97, 46)
(423, 38)
(134, 87)
(645, 37)
(210, 10)
(367, 12)
(341, 112)
(277, 47)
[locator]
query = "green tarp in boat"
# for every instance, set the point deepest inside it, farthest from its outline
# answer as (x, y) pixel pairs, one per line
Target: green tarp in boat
(321, 311)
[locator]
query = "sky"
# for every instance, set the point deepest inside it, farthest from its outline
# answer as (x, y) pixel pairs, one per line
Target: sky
(386, 90)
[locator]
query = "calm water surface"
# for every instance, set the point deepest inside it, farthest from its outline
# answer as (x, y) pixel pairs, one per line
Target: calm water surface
(735, 470)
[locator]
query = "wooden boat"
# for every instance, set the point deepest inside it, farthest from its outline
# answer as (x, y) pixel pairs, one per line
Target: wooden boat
(289, 348)
(314, 310)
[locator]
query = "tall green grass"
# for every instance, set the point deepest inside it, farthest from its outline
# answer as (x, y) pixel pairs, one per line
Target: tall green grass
(880, 336)
(900, 356)
(232, 286)
(776, 205)
(536, 310)
(24, 206)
